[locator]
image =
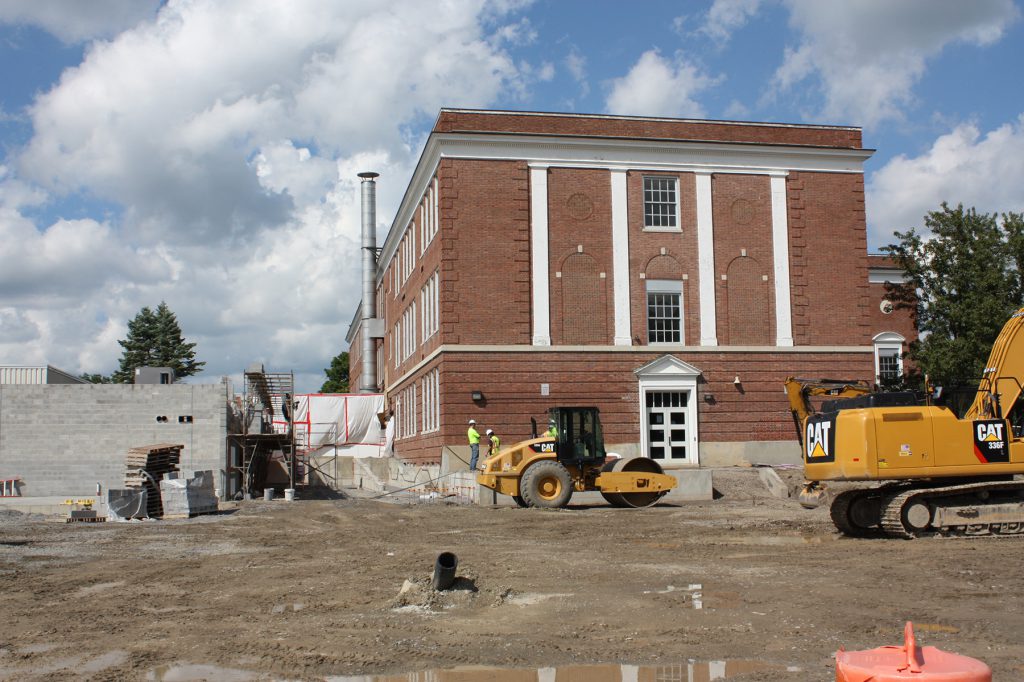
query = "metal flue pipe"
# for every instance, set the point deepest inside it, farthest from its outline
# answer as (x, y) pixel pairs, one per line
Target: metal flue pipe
(368, 376)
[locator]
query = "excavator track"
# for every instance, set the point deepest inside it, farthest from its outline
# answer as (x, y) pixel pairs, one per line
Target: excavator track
(971, 510)
(858, 513)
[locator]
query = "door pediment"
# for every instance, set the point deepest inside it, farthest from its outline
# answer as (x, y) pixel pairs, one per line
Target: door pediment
(667, 366)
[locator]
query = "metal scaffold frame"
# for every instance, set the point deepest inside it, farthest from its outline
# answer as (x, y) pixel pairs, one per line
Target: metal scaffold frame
(266, 430)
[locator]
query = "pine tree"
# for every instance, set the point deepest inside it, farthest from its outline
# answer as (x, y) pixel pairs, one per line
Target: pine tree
(155, 340)
(964, 277)
(337, 375)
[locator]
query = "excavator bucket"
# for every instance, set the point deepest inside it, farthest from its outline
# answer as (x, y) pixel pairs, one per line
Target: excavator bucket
(812, 495)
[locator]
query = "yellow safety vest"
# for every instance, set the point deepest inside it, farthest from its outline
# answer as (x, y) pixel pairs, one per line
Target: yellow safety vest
(474, 436)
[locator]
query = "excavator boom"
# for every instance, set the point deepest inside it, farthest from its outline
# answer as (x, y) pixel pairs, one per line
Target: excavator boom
(1000, 386)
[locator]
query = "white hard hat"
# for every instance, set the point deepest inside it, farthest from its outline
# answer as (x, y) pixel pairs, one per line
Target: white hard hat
(489, 432)
(472, 421)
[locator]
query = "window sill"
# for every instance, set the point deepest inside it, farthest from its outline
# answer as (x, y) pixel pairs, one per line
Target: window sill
(677, 230)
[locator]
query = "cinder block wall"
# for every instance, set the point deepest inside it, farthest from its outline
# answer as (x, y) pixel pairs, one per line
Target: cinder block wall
(64, 439)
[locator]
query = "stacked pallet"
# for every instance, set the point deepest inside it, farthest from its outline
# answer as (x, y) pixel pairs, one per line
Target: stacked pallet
(145, 466)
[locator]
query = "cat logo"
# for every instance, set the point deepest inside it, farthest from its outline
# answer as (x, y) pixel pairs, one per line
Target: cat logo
(990, 441)
(543, 447)
(819, 439)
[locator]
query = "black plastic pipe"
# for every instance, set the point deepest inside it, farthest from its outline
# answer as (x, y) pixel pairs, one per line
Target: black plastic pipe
(444, 570)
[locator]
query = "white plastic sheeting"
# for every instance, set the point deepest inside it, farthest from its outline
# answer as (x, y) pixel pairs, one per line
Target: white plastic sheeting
(347, 424)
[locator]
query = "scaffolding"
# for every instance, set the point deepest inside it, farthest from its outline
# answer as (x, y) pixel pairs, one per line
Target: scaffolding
(263, 438)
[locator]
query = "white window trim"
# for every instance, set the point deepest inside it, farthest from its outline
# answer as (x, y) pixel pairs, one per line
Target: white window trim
(888, 341)
(666, 286)
(643, 202)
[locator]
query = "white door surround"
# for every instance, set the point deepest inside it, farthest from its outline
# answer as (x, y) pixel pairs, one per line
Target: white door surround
(669, 375)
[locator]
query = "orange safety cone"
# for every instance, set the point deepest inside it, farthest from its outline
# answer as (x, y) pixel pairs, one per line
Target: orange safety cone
(908, 662)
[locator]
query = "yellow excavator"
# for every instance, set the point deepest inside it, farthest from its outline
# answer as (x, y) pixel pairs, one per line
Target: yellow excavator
(938, 473)
(544, 471)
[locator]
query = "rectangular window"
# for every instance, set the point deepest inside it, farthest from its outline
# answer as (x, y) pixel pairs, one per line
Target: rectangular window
(405, 413)
(429, 304)
(664, 311)
(889, 363)
(661, 203)
(431, 404)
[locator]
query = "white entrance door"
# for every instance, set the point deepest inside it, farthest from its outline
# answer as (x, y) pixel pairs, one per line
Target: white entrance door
(668, 411)
(666, 425)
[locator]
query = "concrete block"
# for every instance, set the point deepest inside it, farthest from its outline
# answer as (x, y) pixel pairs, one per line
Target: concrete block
(771, 480)
(692, 485)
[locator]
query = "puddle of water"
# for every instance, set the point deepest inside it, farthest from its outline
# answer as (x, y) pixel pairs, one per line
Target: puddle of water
(188, 672)
(692, 671)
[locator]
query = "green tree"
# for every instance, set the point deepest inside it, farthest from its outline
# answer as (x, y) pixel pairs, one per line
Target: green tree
(155, 340)
(965, 276)
(97, 378)
(337, 375)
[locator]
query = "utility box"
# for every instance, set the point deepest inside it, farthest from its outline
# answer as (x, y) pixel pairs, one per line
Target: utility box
(154, 375)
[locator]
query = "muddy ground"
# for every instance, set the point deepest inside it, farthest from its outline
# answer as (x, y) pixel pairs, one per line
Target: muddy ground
(312, 589)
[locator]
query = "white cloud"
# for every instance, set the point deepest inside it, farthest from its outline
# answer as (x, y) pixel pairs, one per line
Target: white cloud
(726, 16)
(656, 86)
(867, 56)
(75, 22)
(963, 166)
(227, 135)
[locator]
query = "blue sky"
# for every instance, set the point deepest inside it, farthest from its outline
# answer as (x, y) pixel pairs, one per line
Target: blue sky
(204, 152)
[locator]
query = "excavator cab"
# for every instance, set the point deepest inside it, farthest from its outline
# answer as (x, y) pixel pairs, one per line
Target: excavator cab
(580, 440)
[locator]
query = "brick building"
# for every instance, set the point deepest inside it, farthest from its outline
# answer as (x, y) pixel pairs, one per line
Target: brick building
(671, 272)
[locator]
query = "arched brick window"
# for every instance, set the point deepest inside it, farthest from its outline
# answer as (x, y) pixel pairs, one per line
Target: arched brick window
(749, 303)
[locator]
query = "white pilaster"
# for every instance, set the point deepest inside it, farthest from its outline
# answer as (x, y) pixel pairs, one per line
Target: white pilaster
(620, 257)
(706, 260)
(780, 252)
(539, 255)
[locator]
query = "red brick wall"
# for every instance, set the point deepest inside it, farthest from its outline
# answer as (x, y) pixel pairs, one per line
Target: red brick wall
(664, 129)
(742, 215)
(485, 232)
(579, 214)
(510, 382)
(828, 259)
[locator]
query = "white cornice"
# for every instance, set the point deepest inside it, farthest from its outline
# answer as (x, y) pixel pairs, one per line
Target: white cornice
(668, 155)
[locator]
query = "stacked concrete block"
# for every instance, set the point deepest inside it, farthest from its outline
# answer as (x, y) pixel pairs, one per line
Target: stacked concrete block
(66, 439)
(185, 497)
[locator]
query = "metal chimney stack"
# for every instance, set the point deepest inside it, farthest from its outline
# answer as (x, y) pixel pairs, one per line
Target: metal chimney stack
(368, 376)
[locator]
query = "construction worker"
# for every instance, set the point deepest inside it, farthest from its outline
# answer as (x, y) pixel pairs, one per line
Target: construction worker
(474, 444)
(552, 431)
(495, 443)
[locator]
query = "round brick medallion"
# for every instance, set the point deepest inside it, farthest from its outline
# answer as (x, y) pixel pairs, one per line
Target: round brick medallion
(580, 206)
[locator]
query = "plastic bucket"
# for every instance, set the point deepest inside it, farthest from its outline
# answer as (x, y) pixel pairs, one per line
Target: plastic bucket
(268, 494)
(289, 494)
(909, 662)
